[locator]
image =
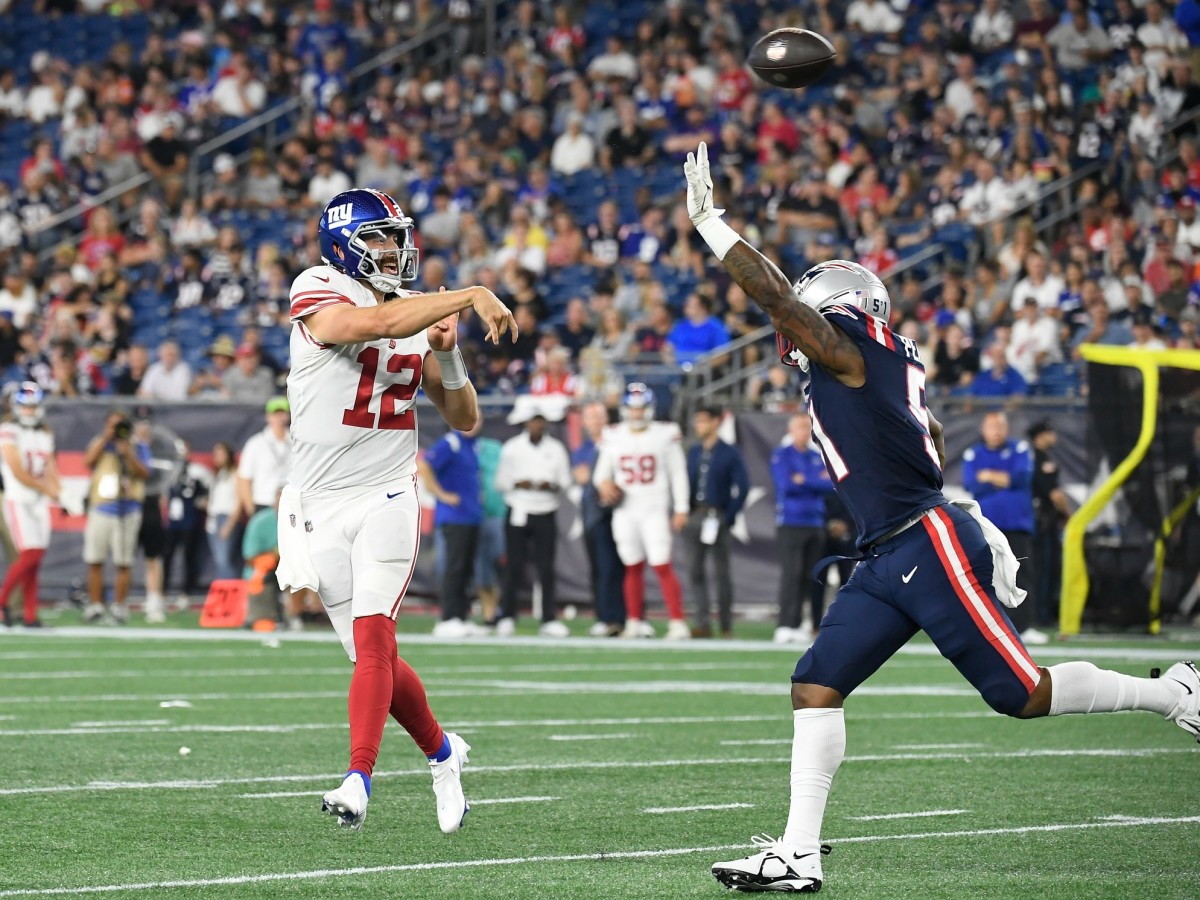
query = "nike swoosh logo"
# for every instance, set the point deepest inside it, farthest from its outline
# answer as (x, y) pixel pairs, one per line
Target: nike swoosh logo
(395, 495)
(1182, 685)
(321, 278)
(907, 578)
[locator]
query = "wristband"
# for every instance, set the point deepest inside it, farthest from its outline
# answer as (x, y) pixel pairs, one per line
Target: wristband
(454, 370)
(719, 236)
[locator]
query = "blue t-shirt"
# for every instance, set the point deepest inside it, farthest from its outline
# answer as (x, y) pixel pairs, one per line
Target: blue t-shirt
(456, 466)
(692, 341)
(801, 485)
(125, 507)
(1010, 384)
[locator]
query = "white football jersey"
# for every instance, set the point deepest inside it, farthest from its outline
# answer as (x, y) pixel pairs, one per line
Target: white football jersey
(36, 447)
(647, 464)
(353, 421)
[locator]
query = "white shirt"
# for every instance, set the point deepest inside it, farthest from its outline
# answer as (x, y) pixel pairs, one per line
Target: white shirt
(41, 103)
(614, 65)
(523, 460)
(1146, 133)
(873, 18)
(228, 97)
(647, 464)
(960, 97)
(12, 102)
(985, 203)
(572, 153)
(161, 383)
(1047, 293)
(35, 447)
(323, 188)
(22, 305)
(1160, 39)
(265, 463)
(353, 422)
(990, 32)
(222, 496)
(1028, 340)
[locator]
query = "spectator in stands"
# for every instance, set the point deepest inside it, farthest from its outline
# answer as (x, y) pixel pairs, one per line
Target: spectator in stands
(992, 28)
(956, 361)
(777, 393)
(222, 511)
(131, 375)
(719, 486)
(165, 157)
(999, 473)
(613, 340)
(441, 226)
(238, 93)
(651, 341)
(999, 379)
(1044, 287)
(801, 484)
(555, 379)
(18, 298)
(574, 150)
(167, 379)
(1034, 342)
(1174, 299)
(247, 380)
(698, 332)
(575, 332)
(1147, 335)
(628, 143)
(328, 180)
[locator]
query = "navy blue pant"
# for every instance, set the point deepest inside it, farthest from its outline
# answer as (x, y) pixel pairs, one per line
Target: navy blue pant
(935, 577)
(608, 574)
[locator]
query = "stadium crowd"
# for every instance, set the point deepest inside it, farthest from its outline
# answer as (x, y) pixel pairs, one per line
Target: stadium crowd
(550, 172)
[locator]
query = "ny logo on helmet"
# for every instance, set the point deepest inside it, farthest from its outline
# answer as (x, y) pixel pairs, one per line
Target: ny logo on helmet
(340, 215)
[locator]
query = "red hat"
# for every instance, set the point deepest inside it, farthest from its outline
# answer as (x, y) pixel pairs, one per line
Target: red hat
(1187, 202)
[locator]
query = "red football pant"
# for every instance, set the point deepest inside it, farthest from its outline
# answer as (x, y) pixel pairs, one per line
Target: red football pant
(24, 572)
(383, 683)
(635, 590)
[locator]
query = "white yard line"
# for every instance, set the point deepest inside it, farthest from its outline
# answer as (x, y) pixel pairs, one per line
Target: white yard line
(473, 647)
(929, 813)
(275, 795)
(937, 746)
(757, 742)
(591, 737)
(660, 810)
(122, 723)
(208, 783)
(578, 857)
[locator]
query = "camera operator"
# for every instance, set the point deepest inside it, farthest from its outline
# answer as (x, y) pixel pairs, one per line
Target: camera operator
(119, 469)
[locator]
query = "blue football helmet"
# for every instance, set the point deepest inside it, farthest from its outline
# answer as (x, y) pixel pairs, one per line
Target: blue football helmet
(637, 406)
(348, 219)
(27, 403)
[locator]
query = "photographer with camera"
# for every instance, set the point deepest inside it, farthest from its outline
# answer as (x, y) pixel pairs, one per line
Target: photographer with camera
(119, 468)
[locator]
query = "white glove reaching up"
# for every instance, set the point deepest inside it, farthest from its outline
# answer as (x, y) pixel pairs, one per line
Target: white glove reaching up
(699, 187)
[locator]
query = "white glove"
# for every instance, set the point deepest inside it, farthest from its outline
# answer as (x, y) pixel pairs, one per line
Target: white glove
(699, 187)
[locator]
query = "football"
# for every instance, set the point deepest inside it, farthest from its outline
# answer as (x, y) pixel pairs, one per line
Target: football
(791, 57)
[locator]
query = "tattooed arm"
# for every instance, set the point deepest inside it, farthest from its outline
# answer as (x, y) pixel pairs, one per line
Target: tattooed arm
(814, 336)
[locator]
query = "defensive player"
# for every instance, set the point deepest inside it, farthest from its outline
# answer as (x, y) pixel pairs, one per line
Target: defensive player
(31, 482)
(926, 564)
(349, 521)
(642, 472)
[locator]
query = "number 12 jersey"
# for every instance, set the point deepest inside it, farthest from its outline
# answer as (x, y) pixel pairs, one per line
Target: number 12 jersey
(353, 421)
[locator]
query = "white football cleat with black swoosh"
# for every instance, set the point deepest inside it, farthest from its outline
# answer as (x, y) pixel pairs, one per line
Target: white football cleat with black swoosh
(1187, 714)
(776, 867)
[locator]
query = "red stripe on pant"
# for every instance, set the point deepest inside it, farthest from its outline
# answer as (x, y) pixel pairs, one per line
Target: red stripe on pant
(976, 613)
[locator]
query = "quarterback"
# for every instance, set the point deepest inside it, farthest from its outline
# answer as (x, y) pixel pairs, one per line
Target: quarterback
(641, 471)
(349, 521)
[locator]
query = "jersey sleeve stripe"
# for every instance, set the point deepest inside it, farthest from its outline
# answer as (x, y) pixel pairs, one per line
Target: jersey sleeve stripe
(307, 335)
(305, 306)
(880, 333)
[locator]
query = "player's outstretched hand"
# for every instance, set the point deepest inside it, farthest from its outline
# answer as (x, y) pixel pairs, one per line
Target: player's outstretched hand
(443, 335)
(699, 186)
(495, 315)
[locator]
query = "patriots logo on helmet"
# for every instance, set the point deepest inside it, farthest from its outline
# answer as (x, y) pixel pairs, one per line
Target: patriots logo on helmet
(354, 217)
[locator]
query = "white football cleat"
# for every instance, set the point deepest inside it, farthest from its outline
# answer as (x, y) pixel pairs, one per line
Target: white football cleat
(1034, 637)
(600, 629)
(776, 867)
(1187, 713)
(506, 627)
(784, 635)
(155, 615)
(349, 802)
(119, 613)
(94, 612)
(452, 806)
(450, 628)
(637, 628)
(554, 629)
(678, 630)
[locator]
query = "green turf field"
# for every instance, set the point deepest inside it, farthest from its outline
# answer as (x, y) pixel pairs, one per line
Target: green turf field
(574, 748)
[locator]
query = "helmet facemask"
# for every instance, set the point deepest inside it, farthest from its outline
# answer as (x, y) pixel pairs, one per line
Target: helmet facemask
(373, 261)
(27, 405)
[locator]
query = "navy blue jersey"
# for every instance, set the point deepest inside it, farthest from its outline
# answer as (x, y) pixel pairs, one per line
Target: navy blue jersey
(875, 438)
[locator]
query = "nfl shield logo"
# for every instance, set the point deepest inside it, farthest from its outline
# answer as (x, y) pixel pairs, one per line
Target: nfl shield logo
(776, 51)
(308, 527)
(292, 519)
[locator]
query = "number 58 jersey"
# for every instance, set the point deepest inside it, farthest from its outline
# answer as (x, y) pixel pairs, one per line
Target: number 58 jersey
(353, 421)
(875, 438)
(647, 464)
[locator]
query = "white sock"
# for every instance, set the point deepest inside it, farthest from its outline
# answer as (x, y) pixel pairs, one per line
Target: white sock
(1080, 687)
(818, 745)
